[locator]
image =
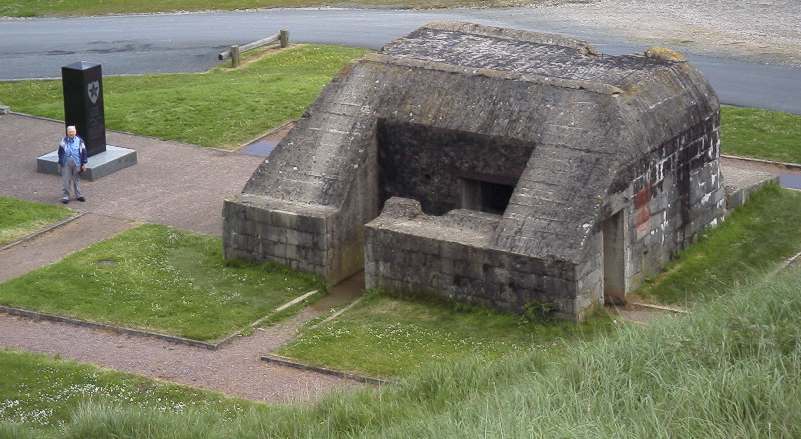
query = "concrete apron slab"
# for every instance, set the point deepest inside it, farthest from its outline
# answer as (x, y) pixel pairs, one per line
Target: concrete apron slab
(55, 244)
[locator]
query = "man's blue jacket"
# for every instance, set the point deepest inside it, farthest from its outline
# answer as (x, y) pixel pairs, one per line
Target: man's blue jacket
(62, 153)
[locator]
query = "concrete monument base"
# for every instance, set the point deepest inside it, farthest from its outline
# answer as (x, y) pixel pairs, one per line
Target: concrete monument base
(111, 160)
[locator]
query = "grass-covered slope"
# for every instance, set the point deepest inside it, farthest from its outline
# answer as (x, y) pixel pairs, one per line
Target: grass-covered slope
(158, 278)
(222, 107)
(754, 240)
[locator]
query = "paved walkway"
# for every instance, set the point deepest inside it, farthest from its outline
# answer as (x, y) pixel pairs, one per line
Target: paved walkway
(234, 369)
(176, 184)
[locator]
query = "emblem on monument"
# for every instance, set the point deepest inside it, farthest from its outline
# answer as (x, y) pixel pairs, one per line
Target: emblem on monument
(94, 91)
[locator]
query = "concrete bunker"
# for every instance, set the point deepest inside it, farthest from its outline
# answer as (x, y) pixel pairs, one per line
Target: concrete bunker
(493, 166)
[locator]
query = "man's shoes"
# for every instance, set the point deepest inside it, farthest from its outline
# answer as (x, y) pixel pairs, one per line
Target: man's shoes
(65, 200)
(81, 199)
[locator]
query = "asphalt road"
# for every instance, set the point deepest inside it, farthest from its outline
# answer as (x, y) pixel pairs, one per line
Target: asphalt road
(37, 48)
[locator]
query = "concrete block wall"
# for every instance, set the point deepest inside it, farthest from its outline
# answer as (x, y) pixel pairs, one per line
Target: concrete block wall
(677, 197)
(297, 238)
(421, 254)
(674, 195)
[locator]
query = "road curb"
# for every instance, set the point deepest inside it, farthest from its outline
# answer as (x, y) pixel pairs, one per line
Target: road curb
(40, 232)
(284, 361)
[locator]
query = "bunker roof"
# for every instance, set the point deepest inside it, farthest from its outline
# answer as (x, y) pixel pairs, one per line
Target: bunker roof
(523, 53)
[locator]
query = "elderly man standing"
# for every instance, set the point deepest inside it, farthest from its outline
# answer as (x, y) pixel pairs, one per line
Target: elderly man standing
(72, 159)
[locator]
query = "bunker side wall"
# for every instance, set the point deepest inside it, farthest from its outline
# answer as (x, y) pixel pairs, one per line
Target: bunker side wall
(672, 196)
(409, 264)
(298, 240)
(674, 199)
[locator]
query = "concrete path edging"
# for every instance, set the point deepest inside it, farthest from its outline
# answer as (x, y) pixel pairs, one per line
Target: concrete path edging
(338, 313)
(789, 165)
(33, 235)
(288, 362)
(35, 315)
(213, 346)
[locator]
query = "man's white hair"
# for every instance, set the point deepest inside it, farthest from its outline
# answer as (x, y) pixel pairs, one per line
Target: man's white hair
(71, 128)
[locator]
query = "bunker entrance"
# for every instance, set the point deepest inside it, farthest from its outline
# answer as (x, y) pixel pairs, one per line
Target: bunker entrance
(613, 260)
(485, 196)
(448, 169)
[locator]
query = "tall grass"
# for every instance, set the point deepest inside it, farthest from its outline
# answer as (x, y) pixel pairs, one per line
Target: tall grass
(730, 370)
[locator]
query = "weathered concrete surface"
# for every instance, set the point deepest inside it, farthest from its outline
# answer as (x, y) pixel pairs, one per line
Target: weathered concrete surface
(742, 182)
(575, 137)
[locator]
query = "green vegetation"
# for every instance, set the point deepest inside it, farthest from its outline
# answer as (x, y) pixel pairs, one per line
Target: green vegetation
(20, 217)
(769, 135)
(387, 336)
(731, 369)
(32, 8)
(279, 86)
(158, 278)
(223, 107)
(754, 240)
(37, 391)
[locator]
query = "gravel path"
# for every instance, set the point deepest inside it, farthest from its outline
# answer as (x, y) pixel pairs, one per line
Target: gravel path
(175, 184)
(234, 369)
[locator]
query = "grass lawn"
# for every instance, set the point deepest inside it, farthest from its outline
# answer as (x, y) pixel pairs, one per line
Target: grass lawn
(223, 107)
(731, 369)
(278, 87)
(764, 134)
(32, 8)
(387, 336)
(158, 278)
(41, 392)
(19, 217)
(751, 242)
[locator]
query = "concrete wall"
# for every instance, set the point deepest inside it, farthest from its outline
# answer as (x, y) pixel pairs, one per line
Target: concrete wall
(672, 195)
(297, 237)
(427, 164)
(446, 256)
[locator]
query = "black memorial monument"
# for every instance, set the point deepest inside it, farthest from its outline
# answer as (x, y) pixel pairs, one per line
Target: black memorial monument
(82, 83)
(83, 103)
